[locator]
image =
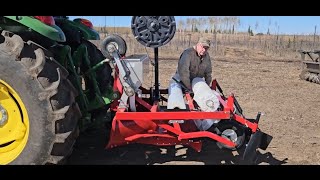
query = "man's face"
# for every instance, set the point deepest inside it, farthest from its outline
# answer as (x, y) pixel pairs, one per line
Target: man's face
(202, 49)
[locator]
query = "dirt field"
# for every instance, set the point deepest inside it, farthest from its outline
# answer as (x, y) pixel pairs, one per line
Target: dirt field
(291, 116)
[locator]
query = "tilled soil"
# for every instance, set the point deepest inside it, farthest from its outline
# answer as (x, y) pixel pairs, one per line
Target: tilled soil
(291, 115)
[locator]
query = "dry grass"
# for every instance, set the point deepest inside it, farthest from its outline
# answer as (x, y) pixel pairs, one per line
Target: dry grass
(225, 45)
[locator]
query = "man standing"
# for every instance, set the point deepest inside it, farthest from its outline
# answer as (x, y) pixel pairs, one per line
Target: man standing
(195, 62)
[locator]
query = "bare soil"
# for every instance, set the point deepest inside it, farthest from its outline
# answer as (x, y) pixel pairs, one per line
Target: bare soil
(272, 86)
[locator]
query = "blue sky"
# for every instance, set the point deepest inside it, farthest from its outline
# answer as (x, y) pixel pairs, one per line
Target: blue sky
(277, 24)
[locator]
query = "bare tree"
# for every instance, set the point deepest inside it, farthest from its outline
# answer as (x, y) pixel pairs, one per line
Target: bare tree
(225, 22)
(213, 23)
(256, 25)
(203, 23)
(194, 23)
(314, 35)
(181, 24)
(234, 22)
(189, 23)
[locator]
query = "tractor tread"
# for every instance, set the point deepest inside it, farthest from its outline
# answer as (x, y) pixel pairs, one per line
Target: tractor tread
(59, 93)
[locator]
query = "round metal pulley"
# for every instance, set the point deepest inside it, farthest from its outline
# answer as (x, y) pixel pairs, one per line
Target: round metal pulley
(153, 31)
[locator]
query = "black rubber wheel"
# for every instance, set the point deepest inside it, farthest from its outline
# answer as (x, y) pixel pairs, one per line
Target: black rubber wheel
(233, 131)
(48, 98)
(105, 80)
(125, 48)
(118, 41)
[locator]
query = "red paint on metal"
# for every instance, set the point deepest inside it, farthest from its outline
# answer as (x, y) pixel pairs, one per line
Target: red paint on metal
(206, 134)
(150, 125)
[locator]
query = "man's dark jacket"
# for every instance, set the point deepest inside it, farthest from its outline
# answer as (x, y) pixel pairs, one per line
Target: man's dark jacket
(191, 65)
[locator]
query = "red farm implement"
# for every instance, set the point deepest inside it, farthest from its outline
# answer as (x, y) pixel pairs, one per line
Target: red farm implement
(141, 117)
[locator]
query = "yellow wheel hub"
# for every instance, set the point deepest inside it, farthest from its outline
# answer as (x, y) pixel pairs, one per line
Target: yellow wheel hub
(14, 124)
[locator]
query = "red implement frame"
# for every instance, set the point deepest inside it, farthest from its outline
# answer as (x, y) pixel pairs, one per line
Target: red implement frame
(150, 125)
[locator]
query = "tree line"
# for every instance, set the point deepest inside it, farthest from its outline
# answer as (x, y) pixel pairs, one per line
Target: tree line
(210, 24)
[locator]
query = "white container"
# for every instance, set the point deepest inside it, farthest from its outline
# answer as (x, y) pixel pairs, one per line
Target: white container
(138, 65)
(175, 99)
(207, 100)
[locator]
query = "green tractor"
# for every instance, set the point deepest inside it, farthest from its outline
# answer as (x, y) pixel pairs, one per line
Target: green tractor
(53, 81)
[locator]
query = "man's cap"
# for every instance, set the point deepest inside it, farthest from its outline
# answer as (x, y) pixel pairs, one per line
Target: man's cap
(204, 41)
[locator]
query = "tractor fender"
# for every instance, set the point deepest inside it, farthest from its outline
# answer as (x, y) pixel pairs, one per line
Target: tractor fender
(52, 32)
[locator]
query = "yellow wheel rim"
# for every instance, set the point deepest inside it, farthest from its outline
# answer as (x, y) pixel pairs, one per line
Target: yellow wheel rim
(14, 124)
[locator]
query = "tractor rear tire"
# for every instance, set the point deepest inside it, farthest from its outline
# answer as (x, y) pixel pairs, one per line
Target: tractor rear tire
(105, 81)
(104, 73)
(46, 100)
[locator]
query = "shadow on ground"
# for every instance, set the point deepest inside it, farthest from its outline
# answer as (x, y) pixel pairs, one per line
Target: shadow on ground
(90, 150)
